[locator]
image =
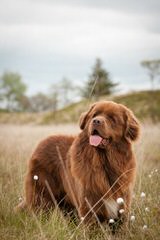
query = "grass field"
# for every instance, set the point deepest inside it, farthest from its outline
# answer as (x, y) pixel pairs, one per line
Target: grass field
(16, 145)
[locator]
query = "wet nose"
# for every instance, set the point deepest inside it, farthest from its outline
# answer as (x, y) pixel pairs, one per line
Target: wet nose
(96, 121)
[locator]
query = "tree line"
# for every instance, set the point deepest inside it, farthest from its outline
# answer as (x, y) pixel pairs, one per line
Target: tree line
(13, 95)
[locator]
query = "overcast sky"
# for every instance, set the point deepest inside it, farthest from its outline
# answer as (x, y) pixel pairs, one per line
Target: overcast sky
(46, 40)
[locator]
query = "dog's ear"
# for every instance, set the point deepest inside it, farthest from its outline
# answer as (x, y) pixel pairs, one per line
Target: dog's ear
(132, 126)
(84, 117)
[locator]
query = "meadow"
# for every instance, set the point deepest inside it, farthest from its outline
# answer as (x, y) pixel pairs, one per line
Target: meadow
(17, 142)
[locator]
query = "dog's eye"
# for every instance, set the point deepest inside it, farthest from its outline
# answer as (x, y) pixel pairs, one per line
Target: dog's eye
(111, 118)
(94, 115)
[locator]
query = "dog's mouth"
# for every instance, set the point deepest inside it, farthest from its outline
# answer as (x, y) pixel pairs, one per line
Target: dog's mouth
(96, 139)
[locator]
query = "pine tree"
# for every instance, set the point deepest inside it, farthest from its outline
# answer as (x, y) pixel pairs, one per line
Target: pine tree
(99, 83)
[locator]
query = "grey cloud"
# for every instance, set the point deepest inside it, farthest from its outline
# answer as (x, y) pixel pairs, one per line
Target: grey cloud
(45, 40)
(51, 12)
(143, 6)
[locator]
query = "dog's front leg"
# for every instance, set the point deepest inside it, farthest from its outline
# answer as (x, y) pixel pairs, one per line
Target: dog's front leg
(85, 210)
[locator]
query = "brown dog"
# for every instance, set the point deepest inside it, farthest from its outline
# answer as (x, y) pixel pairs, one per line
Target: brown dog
(93, 172)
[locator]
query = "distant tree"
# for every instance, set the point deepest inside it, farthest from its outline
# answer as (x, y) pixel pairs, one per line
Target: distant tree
(24, 104)
(40, 102)
(62, 93)
(54, 95)
(99, 82)
(12, 90)
(66, 89)
(153, 67)
(55, 101)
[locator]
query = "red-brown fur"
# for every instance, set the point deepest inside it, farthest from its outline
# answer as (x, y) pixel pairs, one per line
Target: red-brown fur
(84, 175)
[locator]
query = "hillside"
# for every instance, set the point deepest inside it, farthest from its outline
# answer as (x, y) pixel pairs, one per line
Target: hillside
(145, 104)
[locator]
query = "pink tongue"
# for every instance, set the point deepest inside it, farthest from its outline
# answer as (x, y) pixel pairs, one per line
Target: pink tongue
(95, 140)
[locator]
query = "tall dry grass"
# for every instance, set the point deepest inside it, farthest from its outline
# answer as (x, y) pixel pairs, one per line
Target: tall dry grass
(16, 146)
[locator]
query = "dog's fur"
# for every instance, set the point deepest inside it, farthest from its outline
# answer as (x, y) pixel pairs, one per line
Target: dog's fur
(74, 173)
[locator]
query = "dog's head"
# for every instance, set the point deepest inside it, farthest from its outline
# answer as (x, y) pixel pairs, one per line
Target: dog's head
(107, 122)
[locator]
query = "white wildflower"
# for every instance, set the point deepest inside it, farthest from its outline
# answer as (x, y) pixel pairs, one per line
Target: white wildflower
(147, 209)
(111, 220)
(145, 227)
(132, 218)
(120, 200)
(20, 199)
(149, 175)
(35, 177)
(143, 195)
(156, 170)
(121, 211)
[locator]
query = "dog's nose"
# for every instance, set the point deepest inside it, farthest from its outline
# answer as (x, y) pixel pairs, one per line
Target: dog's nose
(96, 122)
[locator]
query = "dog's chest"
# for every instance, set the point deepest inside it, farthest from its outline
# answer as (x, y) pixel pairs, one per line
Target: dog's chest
(109, 176)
